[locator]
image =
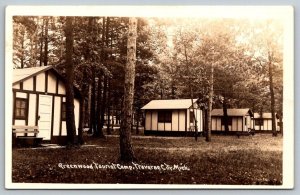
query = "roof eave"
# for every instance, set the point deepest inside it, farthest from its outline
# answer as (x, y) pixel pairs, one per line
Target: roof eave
(32, 75)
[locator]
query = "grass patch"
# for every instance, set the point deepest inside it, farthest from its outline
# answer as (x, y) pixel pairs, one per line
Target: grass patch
(229, 160)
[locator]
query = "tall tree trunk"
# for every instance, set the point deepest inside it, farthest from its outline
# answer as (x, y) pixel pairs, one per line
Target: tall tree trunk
(195, 119)
(23, 49)
(46, 42)
(211, 91)
(225, 117)
(108, 107)
(100, 109)
(126, 151)
(42, 43)
(32, 52)
(82, 114)
(88, 109)
(35, 50)
(137, 121)
(205, 122)
(93, 104)
(193, 109)
(103, 103)
(281, 124)
(274, 131)
(70, 117)
(92, 87)
(261, 122)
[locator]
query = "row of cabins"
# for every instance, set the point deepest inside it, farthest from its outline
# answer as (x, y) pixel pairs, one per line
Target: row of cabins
(175, 117)
(39, 97)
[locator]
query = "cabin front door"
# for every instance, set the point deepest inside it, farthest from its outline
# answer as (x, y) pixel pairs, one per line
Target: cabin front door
(45, 116)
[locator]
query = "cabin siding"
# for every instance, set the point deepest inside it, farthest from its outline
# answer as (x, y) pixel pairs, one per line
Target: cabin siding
(148, 120)
(61, 88)
(267, 123)
(168, 126)
(20, 122)
(51, 83)
(182, 121)
(16, 86)
(216, 124)
(188, 124)
(175, 117)
(40, 84)
(179, 121)
(63, 128)
(56, 118)
(234, 126)
(28, 84)
(199, 121)
(238, 123)
(31, 111)
(160, 126)
(21, 95)
(154, 123)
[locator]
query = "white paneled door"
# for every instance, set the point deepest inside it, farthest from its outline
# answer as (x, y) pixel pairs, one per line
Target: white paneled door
(45, 116)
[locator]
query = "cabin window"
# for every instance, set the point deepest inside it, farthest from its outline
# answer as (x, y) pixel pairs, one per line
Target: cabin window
(63, 111)
(229, 120)
(259, 122)
(164, 116)
(21, 108)
(192, 118)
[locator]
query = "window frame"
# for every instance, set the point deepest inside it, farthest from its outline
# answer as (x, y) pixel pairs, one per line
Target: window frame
(63, 111)
(164, 116)
(259, 122)
(229, 121)
(192, 118)
(25, 101)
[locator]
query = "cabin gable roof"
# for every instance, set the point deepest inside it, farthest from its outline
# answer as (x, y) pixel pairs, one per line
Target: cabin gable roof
(23, 74)
(169, 104)
(232, 112)
(20, 75)
(265, 115)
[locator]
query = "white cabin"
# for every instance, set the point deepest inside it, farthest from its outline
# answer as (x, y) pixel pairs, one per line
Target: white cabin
(238, 120)
(172, 117)
(264, 123)
(39, 97)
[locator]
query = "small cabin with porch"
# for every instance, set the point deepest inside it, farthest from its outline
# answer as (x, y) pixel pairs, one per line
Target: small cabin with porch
(263, 122)
(239, 120)
(173, 117)
(39, 102)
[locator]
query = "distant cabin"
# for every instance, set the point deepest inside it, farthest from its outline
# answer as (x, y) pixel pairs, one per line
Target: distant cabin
(39, 97)
(264, 123)
(238, 120)
(172, 117)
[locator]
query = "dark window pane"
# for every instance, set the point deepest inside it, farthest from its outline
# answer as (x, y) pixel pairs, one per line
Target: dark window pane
(259, 122)
(168, 116)
(22, 113)
(21, 108)
(63, 111)
(229, 120)
(164, 116)
(191, 117)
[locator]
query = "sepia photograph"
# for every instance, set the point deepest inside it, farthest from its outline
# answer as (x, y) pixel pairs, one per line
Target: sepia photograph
(112, 97)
